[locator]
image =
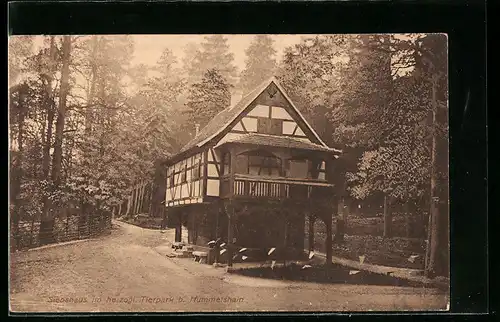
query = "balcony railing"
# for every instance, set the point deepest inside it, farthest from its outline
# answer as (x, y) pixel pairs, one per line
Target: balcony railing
(274, 188)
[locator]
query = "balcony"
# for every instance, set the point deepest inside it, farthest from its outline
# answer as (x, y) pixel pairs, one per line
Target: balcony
(278, 188)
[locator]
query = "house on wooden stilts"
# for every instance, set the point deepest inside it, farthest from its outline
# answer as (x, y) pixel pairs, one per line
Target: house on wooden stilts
(251, 176)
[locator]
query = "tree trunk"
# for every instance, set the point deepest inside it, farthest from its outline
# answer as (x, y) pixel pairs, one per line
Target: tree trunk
(129, 201)
(341, 221)
(408, 221)
(434, 265)
(92, 85)
(47, 223)
(143, 190)
(49, 101)
(387, 218)
(18, 172)
(150, 205)
(61, 112)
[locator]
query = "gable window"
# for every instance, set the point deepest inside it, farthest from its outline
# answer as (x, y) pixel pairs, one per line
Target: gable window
(269, 126)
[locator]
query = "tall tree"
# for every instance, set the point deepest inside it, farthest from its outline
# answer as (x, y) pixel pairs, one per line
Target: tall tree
(208, 97)
(46, 225)
(166, 65)
(213, 54)
(20, 47)
(260, 63)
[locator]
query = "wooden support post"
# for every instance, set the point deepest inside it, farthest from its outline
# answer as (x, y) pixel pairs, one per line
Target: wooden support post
(217, 234)
(328, 242)
(312, 219)
(387, 218)
(285, 237)
(230, 232)
(232, 172)
(178, 227)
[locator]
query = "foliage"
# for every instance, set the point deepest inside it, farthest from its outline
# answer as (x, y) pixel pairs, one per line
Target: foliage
(213, 54)
(208, 97)
(20, 48)
(260, 63)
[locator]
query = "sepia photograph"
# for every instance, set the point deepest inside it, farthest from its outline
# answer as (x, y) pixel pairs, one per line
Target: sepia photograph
(228, 173)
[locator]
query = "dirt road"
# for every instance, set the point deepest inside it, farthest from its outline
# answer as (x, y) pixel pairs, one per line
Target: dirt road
(123, 272)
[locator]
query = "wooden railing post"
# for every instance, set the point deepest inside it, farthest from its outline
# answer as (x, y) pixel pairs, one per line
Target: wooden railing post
(232, 172)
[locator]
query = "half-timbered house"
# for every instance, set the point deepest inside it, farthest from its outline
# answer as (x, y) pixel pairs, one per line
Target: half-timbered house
(251, 175)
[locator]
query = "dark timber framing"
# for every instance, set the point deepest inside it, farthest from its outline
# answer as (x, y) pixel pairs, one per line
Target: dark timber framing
(207, 163)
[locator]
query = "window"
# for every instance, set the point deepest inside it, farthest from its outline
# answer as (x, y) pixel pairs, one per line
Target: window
(263, 125)
(262, 163)
(196, 171)
(314, 169)
(297, 169)
(242, 163)
(184, 173)
(269, 126)
(276, 127)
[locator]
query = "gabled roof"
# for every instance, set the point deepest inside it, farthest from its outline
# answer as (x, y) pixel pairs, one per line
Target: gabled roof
(222, 120)
(278, 141)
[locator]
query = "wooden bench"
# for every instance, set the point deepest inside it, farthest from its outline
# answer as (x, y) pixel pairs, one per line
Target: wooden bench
(200, 257)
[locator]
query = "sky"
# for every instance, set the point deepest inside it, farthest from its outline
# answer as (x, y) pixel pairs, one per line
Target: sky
(148, 48)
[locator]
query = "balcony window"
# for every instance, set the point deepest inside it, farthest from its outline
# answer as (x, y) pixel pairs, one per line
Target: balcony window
(298, 169)
(258, 163)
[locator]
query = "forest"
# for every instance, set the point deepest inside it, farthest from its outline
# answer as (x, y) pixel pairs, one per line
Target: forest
(87, 126)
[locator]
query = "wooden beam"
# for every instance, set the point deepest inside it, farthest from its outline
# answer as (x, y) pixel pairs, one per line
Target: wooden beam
(285, 237)
(311, 220)
(232, 165)
(178, 227)
(230, 231)
(328, 242)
